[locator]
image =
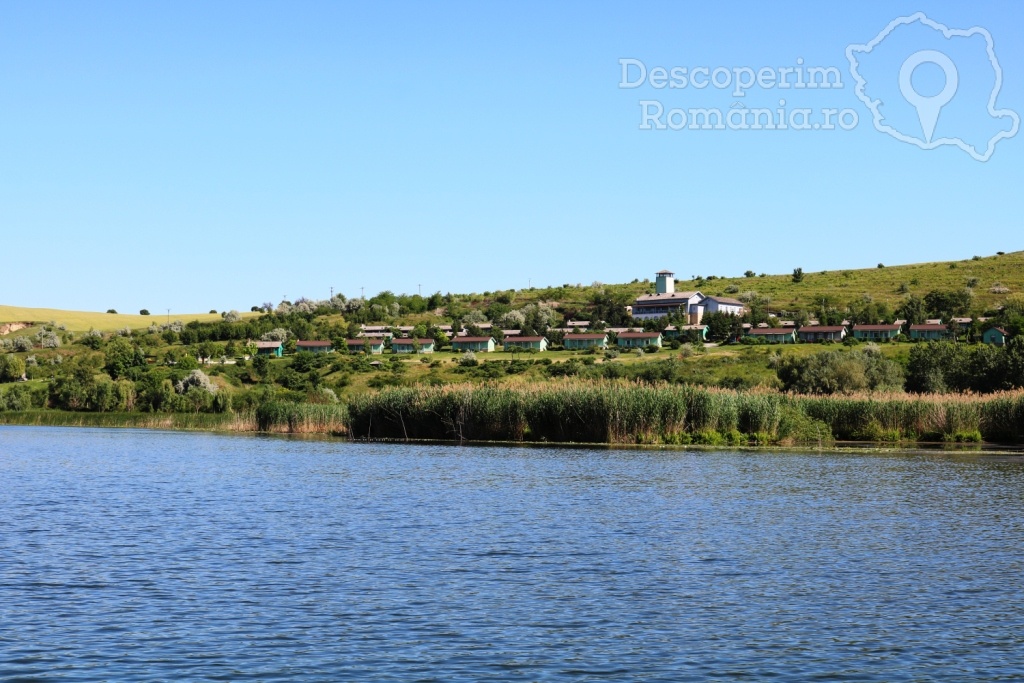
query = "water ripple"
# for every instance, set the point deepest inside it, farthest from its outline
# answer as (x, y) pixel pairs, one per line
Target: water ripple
(133, 555)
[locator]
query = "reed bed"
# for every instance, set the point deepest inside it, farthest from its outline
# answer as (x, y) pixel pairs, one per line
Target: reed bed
(622, 412)
(613, 412)
(184, 421)
(300, 418)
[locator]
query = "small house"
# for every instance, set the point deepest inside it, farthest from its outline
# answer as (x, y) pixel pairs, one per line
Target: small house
(638, 340)
(314, 346)
(577, 341)
(412, 345)
(863, 332)
(484, 344)
(774, 335)
(932, 331)
(819, 333)
(996, 336)
(270, 348)
(525, 343)
(375, 331)
(374, 345)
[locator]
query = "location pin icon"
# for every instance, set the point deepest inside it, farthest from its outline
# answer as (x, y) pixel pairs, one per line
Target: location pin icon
(928, 108)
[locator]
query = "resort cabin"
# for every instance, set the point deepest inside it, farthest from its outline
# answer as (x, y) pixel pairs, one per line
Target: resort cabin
(511, 333)
(819, 333)
(535, 343)
(578, 324)
(996, 336)
(375, 331)
(314, 346)
(576, 341)
(374, 345)
(637, 340)
(270, 348)
(412, 345)
(775, 335)
(963, 323)
(933, 321)
(485, 344)
(876, 331)
(931, 331)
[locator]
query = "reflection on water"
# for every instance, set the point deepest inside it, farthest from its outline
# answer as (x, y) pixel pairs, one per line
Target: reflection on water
(131, 555)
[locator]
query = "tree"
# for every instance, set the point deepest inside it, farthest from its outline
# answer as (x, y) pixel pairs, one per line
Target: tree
(798, 275)
(205, 351)
(144, 312)
(749, 273)
(834, 372)
(122, 357)
(11, 368)
(912, 310)
(947, 304)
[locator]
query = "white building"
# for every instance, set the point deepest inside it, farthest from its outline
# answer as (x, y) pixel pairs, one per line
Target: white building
(723, 304)
(667, 301)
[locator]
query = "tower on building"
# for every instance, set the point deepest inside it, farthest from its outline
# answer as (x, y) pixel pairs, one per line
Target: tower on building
(665, 282)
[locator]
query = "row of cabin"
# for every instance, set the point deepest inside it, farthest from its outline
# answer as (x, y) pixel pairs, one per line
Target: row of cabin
(577, 341)
(819, 333)
(572, 341)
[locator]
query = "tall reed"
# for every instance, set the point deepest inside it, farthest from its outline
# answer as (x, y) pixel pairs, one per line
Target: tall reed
(623, 412)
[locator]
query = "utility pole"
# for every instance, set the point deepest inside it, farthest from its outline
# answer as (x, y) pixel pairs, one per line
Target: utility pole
(168, 316)
(362, 292)
(332, 292)
(419, 289)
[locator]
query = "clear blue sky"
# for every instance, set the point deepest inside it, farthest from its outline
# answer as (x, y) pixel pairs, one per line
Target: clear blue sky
(218, 155)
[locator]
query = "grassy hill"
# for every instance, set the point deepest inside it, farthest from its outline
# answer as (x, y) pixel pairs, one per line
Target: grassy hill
(889, 284)
(991, 278)
(82, 321)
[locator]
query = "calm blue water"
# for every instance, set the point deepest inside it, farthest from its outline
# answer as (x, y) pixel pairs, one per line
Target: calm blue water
(136, 555)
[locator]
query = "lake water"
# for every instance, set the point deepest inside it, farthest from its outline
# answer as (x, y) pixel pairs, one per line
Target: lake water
(139, 555)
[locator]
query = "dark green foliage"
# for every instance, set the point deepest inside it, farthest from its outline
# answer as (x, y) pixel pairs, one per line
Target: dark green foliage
(840, 372)
(123, 358)
(947, 304)
(11, 368)
(939, 367)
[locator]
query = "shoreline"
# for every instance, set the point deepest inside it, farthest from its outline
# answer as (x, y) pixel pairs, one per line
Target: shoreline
(233, 423)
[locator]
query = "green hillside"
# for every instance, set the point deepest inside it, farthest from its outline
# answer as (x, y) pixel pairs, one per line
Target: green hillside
(991, 279)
